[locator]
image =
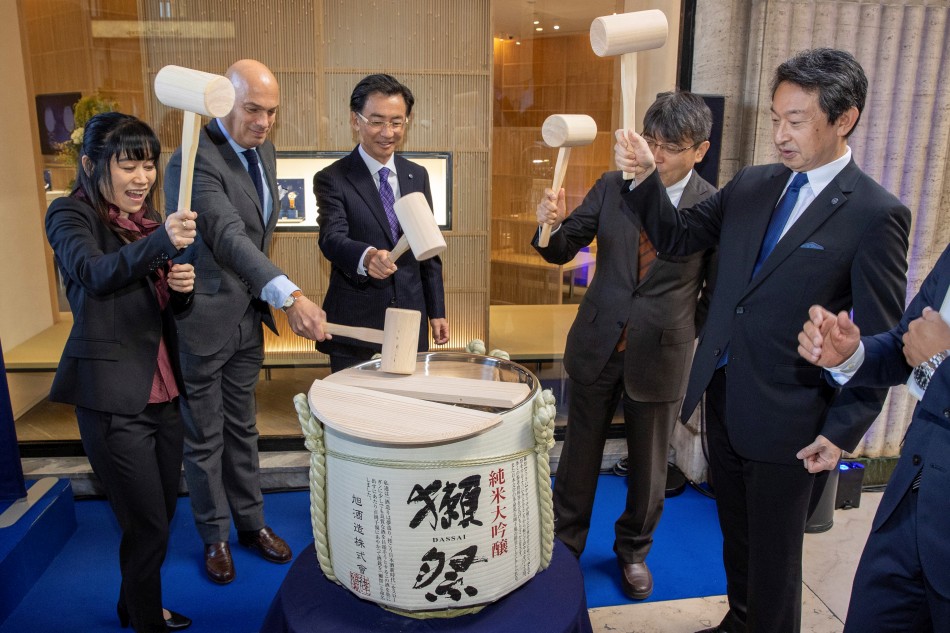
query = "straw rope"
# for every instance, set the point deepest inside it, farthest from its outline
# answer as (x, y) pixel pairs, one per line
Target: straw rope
(542, 419)
(313, 440)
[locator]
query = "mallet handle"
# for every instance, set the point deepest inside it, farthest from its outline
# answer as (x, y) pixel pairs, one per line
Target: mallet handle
(401, 247)
(367, 334)
(560, 169)
(628, 87)
(190, 129)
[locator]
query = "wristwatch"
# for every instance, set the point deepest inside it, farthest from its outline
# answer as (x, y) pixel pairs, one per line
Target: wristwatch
(925, 371)
(291, 300)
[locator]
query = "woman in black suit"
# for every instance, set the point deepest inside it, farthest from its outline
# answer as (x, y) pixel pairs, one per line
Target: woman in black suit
(119, 366)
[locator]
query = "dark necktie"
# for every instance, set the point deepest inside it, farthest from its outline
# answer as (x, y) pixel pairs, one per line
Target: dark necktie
(780, 216)
(254, 169)
(645, 256)
(389, 200)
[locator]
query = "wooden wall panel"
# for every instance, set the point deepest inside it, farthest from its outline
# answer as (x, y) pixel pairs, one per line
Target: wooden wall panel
(533, 80)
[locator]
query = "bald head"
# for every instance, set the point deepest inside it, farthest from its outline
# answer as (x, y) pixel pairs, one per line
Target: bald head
(256, 99)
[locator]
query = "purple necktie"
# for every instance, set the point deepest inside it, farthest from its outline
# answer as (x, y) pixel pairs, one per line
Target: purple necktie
(389, 200)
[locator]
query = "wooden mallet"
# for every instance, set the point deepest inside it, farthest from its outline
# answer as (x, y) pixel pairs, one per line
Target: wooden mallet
(420, 232)
(399, 338)
(199, 94)
(564, 131)
(624, 34)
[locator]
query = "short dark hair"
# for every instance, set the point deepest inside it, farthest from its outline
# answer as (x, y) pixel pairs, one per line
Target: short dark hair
(835, 75)
(678, 116)
(382, 83)
(113, 135)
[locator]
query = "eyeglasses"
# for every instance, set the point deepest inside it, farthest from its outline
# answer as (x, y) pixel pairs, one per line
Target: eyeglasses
(377, 126)
(669, 148)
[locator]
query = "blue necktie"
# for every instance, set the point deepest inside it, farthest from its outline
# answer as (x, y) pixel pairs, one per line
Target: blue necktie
(780, 216)
(254, 169)
(389, 201)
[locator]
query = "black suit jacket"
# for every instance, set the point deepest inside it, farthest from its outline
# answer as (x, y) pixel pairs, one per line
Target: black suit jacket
(111, 354)
(230, 252)
(351, 218)
(927, 444)
(847, 251)
(659, 311)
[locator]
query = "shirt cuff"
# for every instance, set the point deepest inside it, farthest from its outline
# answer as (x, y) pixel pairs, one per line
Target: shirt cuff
(277, 290)
(845, 371)
(360, 269)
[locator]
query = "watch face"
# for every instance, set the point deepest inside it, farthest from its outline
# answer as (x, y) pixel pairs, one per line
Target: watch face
(921, 376)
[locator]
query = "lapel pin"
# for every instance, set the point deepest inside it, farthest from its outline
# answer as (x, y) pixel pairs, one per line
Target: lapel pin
(834, 201)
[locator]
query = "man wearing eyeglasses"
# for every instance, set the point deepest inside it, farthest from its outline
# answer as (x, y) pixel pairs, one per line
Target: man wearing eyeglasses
(812, 230)
(632, 339)
(358, 227)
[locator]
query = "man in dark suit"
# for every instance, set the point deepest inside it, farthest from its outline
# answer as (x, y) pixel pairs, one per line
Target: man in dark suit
(903, 580)
(358, 228)
(632, 338)
(221, 339)
(835, 238)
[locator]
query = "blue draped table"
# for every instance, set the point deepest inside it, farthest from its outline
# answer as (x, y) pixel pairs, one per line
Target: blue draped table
(553, 601)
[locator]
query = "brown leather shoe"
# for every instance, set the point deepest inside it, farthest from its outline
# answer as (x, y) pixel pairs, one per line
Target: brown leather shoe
(636, 580)
(218, 562)
(267, 544)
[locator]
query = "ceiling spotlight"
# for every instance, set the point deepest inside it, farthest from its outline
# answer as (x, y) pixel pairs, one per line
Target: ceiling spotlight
(556, 27)
(537, 21)
(538, 28)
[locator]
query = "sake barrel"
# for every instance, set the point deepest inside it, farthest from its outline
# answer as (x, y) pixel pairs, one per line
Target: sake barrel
(444, 525)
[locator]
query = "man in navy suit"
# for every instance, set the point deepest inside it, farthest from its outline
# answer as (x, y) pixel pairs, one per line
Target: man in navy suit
(903, 580)
(358, 229)
(221, 339)
(812, 230)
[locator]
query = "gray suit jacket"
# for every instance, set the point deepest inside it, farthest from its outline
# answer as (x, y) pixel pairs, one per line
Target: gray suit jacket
(230, 254)
(659, 311)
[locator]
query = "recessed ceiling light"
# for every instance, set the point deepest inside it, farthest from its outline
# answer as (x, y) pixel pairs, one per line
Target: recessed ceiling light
(556, 27)
(537, 21)
(538, 28)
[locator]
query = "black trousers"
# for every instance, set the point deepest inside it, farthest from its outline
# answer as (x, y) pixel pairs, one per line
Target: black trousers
(762, 511)
(138, 461)
(647, 426)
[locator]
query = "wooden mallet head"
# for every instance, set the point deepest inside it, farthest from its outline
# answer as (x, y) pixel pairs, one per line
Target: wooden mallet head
(198, 94)
(399, 338)
(420, 232)
(564, 131)
(625, 34)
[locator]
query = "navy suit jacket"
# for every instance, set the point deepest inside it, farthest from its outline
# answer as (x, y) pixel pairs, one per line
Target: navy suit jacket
(659, 310)
(351, 219)
(111, 354)
(230, 252)
(927, 444)
(847, 251)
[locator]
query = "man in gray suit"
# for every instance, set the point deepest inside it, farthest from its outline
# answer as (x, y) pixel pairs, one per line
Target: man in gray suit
(632, 338)
(221, 339)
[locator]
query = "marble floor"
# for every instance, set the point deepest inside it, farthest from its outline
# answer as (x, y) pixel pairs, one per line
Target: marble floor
(828, 567)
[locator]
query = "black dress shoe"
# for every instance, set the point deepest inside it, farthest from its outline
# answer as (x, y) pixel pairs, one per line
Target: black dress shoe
(636, 580)
(218, 562)
(176, 621)
(270, 546)
(714, 629)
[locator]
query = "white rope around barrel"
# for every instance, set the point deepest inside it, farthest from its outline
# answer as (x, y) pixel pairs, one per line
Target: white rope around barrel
(542, 419)
(313, 440)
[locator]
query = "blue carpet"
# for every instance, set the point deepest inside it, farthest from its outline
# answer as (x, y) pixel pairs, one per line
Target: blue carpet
(78, 591)
(686, 557)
